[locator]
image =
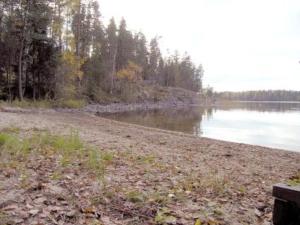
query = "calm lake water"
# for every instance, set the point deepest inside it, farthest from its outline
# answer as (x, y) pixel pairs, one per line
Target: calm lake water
(270, 124)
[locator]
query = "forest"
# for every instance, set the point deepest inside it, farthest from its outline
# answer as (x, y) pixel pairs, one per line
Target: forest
(268, 95)
(61, 49)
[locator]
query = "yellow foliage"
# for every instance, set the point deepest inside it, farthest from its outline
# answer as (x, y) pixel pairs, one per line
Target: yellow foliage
(131, 73)
(198, 222)
(74, 64)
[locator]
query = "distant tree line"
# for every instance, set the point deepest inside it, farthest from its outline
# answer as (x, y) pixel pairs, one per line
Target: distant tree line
(60, 49)
(271, 95)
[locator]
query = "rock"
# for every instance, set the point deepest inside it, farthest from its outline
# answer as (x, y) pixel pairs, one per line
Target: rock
(18, 221)
(55, 190)
(45, 214)
(34, 212)
(171, 195)
(55, 208)
(71, 213)
(40, 200)
(23, 214)
(257, 213)
(261, 206)
(68, 177)
(35, 187)
(11, 207)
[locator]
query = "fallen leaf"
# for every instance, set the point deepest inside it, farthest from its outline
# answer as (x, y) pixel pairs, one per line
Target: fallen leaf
(89, 210)
(198, 222)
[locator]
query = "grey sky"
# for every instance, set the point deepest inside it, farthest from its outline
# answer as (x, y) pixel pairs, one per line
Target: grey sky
(242, 44)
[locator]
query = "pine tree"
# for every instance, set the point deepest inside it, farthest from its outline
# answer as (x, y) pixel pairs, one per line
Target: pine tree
(111, 51)
(125, 52)
(154, 58)
(141, 54)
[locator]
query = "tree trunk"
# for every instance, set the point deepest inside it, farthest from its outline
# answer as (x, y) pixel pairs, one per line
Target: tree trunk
(60, 32)
(25, 81)
(20, 85)
(33, 87)
(113, 72)
(39, 86)
(8, 85)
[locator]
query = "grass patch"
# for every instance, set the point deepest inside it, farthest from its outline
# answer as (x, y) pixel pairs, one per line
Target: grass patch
(14, 130)
(295, 180)
(147, 159)
(29, 104)
(69, 103)
(160, 198)
(164, 217)
(13, 146)
(57, 175)
(68, 151)
(213, 183)
(46, 104)
(4, 218)
(135, 196)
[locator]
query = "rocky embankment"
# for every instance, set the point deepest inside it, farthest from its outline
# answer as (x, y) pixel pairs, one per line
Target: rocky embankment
(123, 107)
(159, 99)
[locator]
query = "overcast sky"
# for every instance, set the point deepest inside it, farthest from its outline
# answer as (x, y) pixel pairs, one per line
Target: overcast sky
(242, 44)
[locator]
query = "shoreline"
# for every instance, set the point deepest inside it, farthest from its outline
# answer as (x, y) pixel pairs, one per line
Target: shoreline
(230, 182)
(110, 108)
(100, 110)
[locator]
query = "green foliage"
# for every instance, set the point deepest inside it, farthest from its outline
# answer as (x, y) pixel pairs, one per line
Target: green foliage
(164, 217)
(4, 138)
(96, 163)
(107, 157)
(135, 196)
(11, 144)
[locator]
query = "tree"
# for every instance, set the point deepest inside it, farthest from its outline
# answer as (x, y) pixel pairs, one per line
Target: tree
(112, 49)
(58, 22)
(141, 54)
(95, 66)
(125, 50)
(59, 49)
(154, 58)
(30, 21)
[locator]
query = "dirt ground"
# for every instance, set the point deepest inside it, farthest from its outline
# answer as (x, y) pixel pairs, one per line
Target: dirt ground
(157, 177)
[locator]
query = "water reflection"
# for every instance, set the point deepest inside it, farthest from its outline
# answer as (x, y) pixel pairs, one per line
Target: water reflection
(267, 124)
(184, 120)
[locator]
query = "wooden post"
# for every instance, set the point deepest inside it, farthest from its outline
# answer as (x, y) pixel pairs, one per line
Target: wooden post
(287, 205)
